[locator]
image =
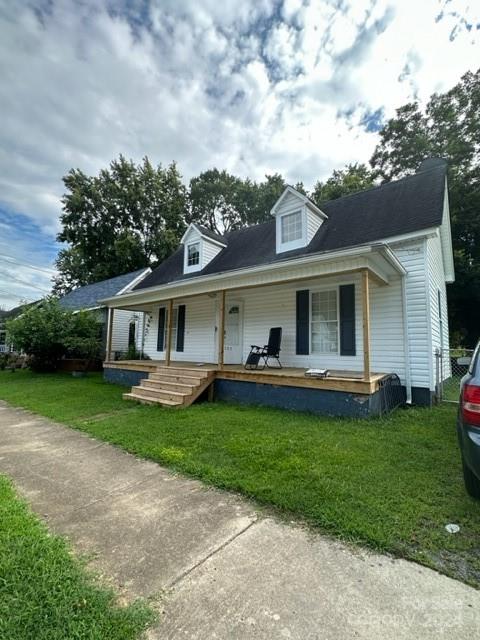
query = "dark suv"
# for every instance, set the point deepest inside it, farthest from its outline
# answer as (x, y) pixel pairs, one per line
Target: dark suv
(468, 425)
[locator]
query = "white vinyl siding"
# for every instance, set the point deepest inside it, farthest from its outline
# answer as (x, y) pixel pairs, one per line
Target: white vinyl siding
(313, 224)
(264, 307)
(207, 250)
(121, 327)
(275, 306)
(412, 255)
(387, 352)
(199, 339)
(438, 290)
(293, 205)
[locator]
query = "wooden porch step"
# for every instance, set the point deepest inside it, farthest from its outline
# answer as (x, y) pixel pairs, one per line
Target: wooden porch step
(179, 371)
(161, 394)
(169, 385)
(172, 389)
(173, 377)
(151, 400)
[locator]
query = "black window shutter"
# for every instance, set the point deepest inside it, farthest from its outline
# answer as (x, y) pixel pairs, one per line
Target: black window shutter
(162, 313)
(303, 322)
(347, 320)
(180, 327)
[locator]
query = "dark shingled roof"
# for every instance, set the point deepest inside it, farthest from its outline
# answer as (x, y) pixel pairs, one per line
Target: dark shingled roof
(89, 296)
(394, 208)
(210, 234)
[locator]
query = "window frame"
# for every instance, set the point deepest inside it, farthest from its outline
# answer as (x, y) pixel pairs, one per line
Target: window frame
(298, 242)
(187, 257)
(174, 329)
(298, 216)
(324, 288)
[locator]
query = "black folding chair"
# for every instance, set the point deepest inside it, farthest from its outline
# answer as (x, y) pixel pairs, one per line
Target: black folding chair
(270, 350)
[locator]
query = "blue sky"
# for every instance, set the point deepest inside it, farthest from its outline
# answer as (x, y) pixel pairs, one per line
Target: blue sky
(295, 86)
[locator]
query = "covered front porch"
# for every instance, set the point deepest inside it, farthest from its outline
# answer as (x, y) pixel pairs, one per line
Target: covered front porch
(337, 380)
(179, 384)
(198, 336)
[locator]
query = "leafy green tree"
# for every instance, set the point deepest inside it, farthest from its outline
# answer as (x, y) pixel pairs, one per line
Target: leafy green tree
(342, 182)
(449, 127)
(223, 202)
(128, 217)
(84, 339)
(218, 200)
(46, 332)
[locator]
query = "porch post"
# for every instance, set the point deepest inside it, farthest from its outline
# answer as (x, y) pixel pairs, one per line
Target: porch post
(108, 353)
(366, 324)
(168, 346)
(221, 329)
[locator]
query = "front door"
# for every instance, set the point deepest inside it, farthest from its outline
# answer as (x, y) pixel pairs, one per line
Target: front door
(233, 344)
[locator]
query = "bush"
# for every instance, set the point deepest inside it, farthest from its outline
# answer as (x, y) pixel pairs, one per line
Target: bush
(46, 333)
(4, 359)
(132, 353)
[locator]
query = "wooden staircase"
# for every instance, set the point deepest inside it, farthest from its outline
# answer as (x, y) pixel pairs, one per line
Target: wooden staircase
(175, 387)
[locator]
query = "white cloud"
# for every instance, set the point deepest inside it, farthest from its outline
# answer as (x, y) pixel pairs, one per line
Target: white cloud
(251, 86)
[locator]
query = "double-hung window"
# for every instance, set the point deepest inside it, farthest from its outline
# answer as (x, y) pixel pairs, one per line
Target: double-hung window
(324, 322)
(193, 254)
(174, 330)
(291, 227)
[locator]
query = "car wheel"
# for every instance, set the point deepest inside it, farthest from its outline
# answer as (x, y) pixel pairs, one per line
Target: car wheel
(472, 483)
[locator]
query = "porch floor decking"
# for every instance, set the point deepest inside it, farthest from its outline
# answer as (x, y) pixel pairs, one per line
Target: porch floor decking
(338, 380)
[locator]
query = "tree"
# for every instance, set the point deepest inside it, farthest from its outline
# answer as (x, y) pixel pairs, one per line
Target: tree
(84, 339)
(128, 217)
(223, 202)
(218, 200)
(450, 128)
(46, 332)
(355, 177)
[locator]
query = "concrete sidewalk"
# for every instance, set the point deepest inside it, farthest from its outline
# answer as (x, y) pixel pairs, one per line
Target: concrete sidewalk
(219, 568)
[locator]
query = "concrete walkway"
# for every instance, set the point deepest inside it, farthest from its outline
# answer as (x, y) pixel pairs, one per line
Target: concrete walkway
(219, 568)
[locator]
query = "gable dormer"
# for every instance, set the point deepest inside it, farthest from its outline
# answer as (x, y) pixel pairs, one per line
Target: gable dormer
(297, 220)
(200, 246)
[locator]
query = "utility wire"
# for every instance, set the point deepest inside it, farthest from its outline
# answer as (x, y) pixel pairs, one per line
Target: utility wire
(28, 284)
(11, 259)
(15, 297)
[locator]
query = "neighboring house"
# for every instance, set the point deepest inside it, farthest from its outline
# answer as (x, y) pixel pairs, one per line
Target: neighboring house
(358, 286)
(128, 325)
(4, 347)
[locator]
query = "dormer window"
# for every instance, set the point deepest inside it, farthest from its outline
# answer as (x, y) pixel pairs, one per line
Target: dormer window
(291, 225)
(297, 220)
(200, 246)
(193, 254)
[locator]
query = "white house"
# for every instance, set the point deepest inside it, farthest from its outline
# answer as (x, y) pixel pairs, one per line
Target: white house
(357, 286)
(128, 324)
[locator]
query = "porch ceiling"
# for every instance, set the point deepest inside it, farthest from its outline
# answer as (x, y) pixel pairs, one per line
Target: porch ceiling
(380, 262)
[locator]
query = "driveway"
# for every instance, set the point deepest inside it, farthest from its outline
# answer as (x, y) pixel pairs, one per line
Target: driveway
(218, 567)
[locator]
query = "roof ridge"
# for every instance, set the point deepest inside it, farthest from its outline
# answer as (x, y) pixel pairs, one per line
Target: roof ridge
(252, 226)
(383, 185)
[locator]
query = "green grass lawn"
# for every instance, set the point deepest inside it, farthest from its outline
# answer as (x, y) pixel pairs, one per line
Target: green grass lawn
(392, 483)
(46, 593)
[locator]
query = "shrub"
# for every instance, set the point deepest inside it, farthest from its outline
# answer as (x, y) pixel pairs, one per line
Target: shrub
(47, 332)
(132, 353)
